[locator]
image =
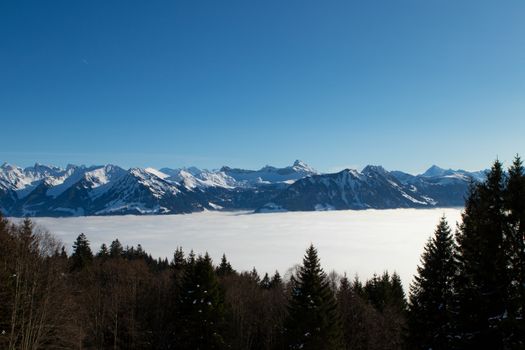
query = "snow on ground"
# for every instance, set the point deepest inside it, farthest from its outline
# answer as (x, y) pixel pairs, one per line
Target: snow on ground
(362, 242)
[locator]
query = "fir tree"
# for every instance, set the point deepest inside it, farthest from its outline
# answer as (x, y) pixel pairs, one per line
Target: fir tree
(432, 292)
(254, 276)
(344, 301)
(224, 268)
(200, 308)
(115, 249)
(103, 253)
(515, 248)
(483, 283)
(276, 281)
(265, 282)
(82, 255)
(178, 261)
(313, 321)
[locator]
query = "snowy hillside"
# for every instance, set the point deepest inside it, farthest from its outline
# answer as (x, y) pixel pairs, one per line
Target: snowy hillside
(110, 190)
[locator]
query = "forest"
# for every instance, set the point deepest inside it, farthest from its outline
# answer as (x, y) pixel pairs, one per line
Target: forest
(468, 293)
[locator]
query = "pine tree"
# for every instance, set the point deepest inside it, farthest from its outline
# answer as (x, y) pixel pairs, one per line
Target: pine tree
(276, 281)
(482, 284)
(515, 248)
(200, 308)
(224, 268)
(344, 301)
(103, 253)
(115, 249)
(432, 292)
(82, 255)
(178, 261)
(265, 282)
(254, 276)
(313, 321)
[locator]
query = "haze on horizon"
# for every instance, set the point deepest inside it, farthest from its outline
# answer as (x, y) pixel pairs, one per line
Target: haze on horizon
(338, 84)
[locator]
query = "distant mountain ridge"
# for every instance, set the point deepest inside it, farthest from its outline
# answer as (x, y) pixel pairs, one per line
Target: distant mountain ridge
(43, 190)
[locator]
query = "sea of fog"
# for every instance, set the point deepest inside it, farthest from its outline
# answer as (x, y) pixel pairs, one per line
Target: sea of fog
(356, 242)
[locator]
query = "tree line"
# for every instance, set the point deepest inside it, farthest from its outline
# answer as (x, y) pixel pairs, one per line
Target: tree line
(468, 293)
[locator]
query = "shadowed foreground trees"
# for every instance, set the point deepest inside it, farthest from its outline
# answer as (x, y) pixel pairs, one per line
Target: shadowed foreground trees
(122, 298)
(469, 293)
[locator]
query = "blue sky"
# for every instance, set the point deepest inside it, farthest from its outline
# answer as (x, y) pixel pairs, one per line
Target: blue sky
(405, 84)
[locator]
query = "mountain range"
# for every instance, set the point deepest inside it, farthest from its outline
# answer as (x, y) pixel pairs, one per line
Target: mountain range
(42, 190)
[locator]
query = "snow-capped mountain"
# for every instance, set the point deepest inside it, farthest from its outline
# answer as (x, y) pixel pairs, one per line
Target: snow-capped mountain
(110, 190)
(434, 171)
(374, 187)
(270, 175)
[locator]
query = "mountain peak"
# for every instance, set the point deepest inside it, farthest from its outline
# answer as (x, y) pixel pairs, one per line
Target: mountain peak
(433, 171)
(300, 165)
(374, 169)
(7, 166)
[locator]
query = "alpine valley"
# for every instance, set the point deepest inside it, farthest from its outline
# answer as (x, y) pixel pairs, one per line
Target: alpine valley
(43, 190)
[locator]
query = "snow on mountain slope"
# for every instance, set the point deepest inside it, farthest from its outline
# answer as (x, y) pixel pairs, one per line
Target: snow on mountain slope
(269, 174)
(23, 181)
(435, 171)
(141, 192)
(157, 173)
(102, 190)
(373, 187)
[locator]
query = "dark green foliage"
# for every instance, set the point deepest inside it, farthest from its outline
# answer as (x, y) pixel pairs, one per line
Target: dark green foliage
(103, 253)
(178, 261)
(82, 255)
(483, 281)
(224, 268)
(385, 292)
(515, 245)
(313, 321)
(200, 310)
(265, 282)
(432, 293)
(276, 281)
(115, 249)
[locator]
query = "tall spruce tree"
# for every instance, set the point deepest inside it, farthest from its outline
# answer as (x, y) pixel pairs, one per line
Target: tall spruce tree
(103, 253)
(224, 268)
(82, 255)
(276, 281)
(432, 292)
(515, 246)
(483, 284)
(115, 249)
(200, 309)
(313, 321)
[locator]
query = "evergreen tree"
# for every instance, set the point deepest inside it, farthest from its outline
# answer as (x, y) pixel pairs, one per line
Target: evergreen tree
(82, 255)
(313, 321)
(515, 247)
(224, 268)
(178, 261)
(103, 253)
(200, 308)
(254, 276)
(396, 295)
(265, 282)
(483, 282)
(276, 281)
(432, 292)
(115, 249)
(344, 301)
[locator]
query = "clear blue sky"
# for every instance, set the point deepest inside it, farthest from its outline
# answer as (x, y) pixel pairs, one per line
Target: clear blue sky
(338, 84)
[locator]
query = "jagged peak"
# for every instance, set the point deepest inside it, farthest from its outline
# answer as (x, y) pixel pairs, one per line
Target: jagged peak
(8, 166)
(300, 165)
(374, 169)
